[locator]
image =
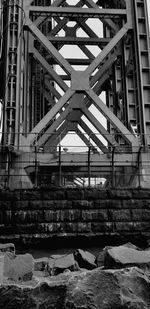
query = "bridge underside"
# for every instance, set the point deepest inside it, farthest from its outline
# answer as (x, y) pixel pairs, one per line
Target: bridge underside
(78, 67)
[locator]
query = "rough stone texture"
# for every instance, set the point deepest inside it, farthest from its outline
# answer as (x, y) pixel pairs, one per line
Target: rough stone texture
(65, 212)
(18, 267)
(100, 257)
(124, 256)
(85, 259)
(39, 297)
(41, 264)
(59, 263)
(7, 248)
(109, 289)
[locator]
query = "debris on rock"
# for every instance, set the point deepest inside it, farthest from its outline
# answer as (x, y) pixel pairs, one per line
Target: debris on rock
(9, 247)
(100, 258)
(41, 264)
(85, 259)
(59, 263)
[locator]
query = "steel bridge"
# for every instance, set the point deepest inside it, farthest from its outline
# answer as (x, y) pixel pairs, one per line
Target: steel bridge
(45, 93)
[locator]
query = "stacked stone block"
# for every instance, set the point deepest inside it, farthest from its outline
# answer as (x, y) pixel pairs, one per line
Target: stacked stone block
(74, 212)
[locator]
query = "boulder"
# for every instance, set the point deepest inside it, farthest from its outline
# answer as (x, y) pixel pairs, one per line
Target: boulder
(85, 259)
(32, 297)
(18, 267)
(104, 289)
(122, 289)
(122, 256)
(59, 263)
(101, 255)
(9, 247)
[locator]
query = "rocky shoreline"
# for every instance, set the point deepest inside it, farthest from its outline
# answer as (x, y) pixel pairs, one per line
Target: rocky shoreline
(118, 277)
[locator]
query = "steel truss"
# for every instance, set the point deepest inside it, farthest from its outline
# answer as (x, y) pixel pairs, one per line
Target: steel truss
(41, 105)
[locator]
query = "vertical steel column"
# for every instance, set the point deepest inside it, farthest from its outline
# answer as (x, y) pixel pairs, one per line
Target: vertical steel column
(60, 172)
(14, 82)
(36, 167)
(89, 165)
(142, 68)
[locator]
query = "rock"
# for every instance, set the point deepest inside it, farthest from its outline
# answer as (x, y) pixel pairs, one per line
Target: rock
(9, 247)
(122, 289)
(40, 274)
(59, 263)
(101, 255)
(104, 289)
(18, 267)
(37, 297)
(41, 264)
(123, 256)
(85, 259)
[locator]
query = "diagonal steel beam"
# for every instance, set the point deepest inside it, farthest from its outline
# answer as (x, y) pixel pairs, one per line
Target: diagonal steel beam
(48, 68)
(91, 4)
(52, 89)
(41, 18)
(49, 46)
(85, 139)
(57, 3)
(70, 110)
(64, 114)
(61, 22)
(52, 129)
(87, 102)
(93, 66)
(95, 139)
(49, 98)
(43, 123)
(59, 26)
(57, 136)
(112, 118)
(103, 69)
(107, 136)
(86, 51)
(108, 22)
(87, 29)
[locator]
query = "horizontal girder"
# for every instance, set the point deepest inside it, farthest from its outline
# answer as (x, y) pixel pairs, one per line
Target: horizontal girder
(78, 12)
(79, 40)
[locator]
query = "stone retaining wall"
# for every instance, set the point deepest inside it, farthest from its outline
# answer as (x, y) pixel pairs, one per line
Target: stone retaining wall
(32, 215)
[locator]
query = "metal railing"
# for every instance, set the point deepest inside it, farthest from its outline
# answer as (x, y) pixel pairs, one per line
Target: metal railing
(74, 166)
